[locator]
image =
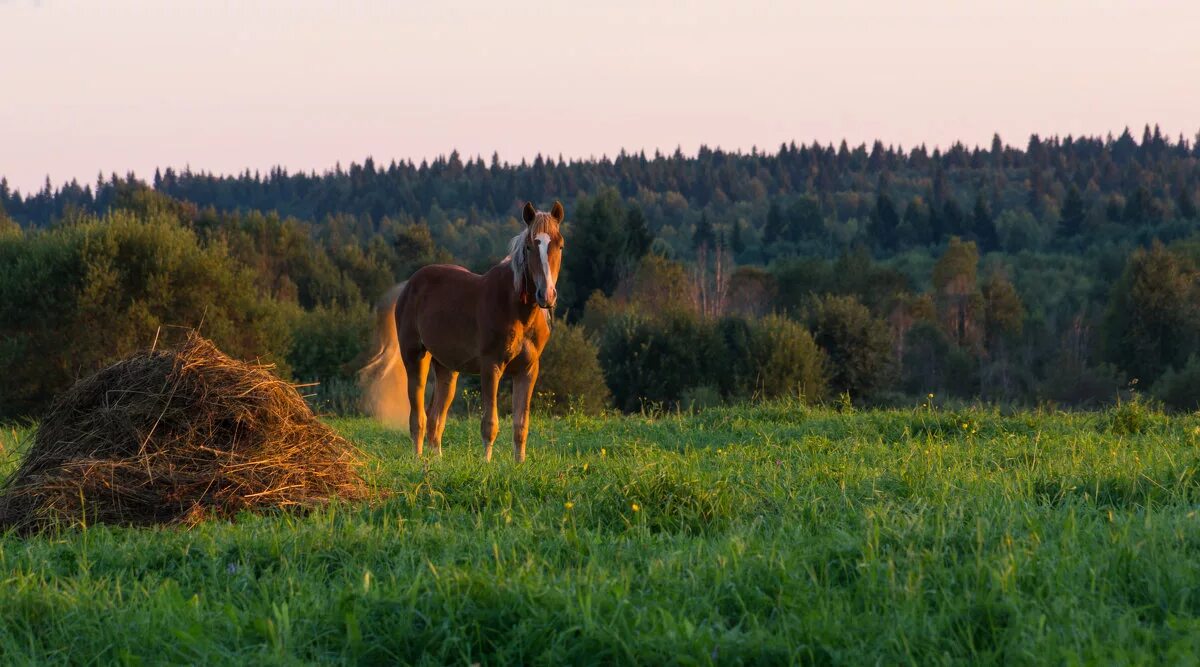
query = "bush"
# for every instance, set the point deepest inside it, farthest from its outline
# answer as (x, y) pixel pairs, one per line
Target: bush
(740, 358)
(787, 359)
(657, 285)
(770, 358)
(1180, 389)
(858, 345)
(598, 312)
(657, 360)
(932, 364)
(1079, 385)
(683, 360)
(327, 339)
(1133, 416)
(570, 375)
(77, 297)
(752, 291)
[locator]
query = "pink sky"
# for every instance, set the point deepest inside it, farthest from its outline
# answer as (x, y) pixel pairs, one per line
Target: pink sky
(127, 85)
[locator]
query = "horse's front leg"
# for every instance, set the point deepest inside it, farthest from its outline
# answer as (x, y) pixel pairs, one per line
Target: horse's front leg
(522, 394)
(489, 383)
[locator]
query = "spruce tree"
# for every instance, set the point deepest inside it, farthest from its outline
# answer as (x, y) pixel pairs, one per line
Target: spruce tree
(705, 236)
(983, 225)
(1074, 212)
(637, 235)
(1186, 205)
(773, 230)
(1153, 318)
(953, 220)
(885, 222)
(805, 221)
(916, 222)
(736, 242)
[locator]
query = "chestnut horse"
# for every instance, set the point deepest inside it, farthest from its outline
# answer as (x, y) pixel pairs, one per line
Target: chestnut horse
(494, 325)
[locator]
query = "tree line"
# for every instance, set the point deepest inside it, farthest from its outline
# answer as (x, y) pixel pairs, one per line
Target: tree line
(1063, 271)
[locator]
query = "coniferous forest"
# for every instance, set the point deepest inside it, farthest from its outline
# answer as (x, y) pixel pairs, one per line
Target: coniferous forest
(1060, 271)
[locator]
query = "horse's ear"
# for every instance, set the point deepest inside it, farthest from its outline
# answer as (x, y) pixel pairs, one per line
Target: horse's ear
(557, 212)
(529, 212)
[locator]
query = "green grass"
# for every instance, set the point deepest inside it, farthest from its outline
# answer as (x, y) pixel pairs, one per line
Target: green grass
(769, 534)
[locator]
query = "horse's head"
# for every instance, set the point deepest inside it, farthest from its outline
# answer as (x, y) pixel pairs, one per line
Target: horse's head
(543, 250)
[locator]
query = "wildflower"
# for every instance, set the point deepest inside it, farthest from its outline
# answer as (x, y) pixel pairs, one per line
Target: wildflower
(931, 396)
(603, 452)
(636, 508)
(568, 504)
(585, 467)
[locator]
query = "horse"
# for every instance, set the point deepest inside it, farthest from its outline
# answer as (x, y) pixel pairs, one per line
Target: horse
(494, 325)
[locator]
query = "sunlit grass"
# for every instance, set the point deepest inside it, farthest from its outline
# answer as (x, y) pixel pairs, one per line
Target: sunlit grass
(768, 534)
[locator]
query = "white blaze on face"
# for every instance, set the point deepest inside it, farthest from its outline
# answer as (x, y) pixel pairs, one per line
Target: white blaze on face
(543, 246)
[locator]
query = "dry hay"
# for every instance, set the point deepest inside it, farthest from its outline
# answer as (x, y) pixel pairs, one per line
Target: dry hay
(175, 436)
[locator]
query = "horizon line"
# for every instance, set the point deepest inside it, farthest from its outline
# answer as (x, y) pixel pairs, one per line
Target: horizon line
(526, 161)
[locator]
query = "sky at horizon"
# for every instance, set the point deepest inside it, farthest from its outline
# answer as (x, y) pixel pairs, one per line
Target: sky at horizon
(131, 85)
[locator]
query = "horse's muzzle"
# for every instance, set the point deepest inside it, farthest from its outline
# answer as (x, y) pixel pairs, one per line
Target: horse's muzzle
(545, 300)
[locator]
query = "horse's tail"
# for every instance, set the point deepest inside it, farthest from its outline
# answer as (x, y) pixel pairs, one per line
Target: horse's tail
(383, 379)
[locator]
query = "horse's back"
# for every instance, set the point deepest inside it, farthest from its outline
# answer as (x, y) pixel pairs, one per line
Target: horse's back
(441, 271)
(439, 282)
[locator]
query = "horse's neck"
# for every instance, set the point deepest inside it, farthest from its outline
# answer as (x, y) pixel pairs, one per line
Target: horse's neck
(524, 304)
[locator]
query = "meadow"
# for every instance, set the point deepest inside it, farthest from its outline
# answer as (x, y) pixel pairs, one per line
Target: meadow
(765, 534)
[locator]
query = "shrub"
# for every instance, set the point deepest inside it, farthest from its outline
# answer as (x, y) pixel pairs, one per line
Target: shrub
(1133, 416)
(740, 358)
(327, 339)
(752, 291)
(932, 364)
(570, 375)
(858, 345)
(1081, 385)
(787, 360)
(598, 312)
(1180, 389)
(77, 297)
(657, 285)
(681, 359)
(657, 360)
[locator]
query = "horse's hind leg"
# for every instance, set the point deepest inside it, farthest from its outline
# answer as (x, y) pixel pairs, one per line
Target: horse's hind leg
(443, 395)
(417, 365)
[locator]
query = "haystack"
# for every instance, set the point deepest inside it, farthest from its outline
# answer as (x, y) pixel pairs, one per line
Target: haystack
(175, 436)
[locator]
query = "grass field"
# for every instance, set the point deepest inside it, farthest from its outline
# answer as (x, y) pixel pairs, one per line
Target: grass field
(769, 534)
